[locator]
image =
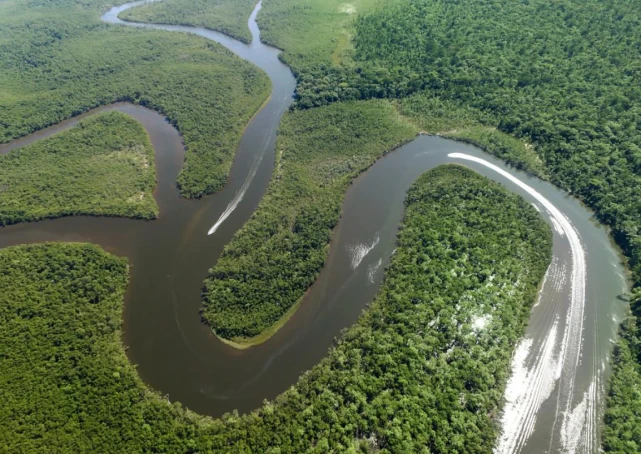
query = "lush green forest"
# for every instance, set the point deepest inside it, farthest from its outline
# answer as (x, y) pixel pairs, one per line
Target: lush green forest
(278, 254)
(103, 166)
(58, 60)
(622, 432)
(314, 34)
(389, 386)
(227, 16)
(563, 77)
(449, 119)
(551, 87)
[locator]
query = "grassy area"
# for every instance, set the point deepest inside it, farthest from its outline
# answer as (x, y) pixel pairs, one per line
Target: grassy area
(58, 60)
(313, 32)
(264, 271)
(102, 166)
(416, 372)
(227, 16)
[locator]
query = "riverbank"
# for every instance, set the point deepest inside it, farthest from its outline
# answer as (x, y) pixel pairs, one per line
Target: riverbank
(226, 16)
(278, 254)
(93, 64)
(109, 388)
(103, 166)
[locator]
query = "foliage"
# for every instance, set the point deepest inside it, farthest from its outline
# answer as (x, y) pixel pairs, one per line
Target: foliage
(544, 70)
(622, 432)
(227, 16)
(451, 119)
(417, 373)
(103, 166)
(278, 254)
(563, 77)
(65, 382)
(57, 60)
(315, 34)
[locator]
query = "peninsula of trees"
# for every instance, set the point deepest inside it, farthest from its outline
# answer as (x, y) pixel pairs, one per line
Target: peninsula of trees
(417, 373)
(103, 166)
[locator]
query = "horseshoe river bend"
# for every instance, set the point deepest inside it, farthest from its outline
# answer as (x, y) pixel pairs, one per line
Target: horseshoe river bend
(555, 398)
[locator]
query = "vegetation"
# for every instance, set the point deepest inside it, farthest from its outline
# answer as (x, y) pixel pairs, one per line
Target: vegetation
(422, 371)
(227, 16)
(278, 254)
(622, 432)
(563, 77)
(102, 166)
(313, 33)
(451, 119)
(544, 72)
(58, 60)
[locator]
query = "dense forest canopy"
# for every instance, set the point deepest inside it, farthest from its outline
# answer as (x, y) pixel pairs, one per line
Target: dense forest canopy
(551, 87)
(564, 77)
(58, 60)
(267, 267)
(389, 385)
(103, 166)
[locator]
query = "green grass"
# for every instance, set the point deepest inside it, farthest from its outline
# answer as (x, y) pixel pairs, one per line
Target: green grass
(313, 32)
(227, 16)
(103, 166)
(57, 60)
(413, 374)
(276, 256)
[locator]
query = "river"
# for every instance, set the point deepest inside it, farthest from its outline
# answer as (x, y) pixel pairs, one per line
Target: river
(556, 395)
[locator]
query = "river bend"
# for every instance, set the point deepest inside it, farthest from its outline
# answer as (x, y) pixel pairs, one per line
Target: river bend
(556, 395)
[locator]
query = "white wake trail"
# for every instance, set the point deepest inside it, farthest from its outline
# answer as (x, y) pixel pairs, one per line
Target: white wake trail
(372, 269)
(239, 195)
(522, 407)
(358, 252)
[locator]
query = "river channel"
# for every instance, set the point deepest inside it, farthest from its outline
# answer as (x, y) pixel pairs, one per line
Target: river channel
(556, 395)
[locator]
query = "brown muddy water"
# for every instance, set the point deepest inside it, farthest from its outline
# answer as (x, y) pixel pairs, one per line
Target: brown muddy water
(556, 395)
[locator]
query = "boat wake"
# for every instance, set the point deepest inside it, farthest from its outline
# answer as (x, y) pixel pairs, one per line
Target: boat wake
(537, 373)
(239, 195)
(358, 252)
(372, 269)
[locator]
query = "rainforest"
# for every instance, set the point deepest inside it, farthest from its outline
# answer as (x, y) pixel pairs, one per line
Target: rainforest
(318, 226)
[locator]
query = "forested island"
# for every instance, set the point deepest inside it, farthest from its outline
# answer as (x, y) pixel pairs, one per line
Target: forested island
(424, 368)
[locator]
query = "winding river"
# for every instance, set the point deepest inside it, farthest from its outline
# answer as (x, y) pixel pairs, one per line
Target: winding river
(555, 397)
